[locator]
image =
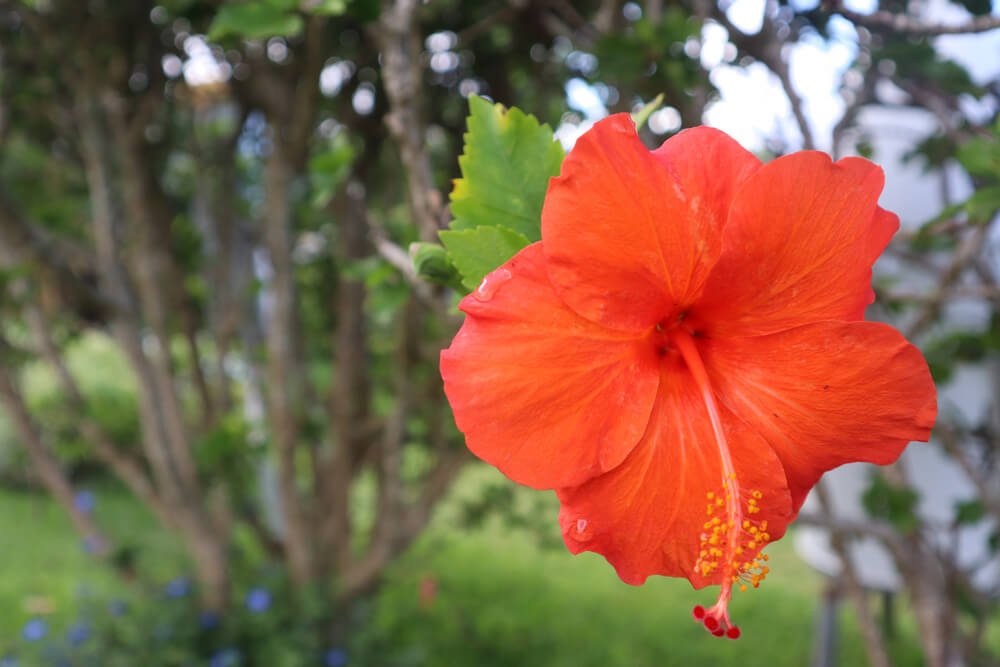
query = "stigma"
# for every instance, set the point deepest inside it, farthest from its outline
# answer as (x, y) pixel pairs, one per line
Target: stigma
(732, 550)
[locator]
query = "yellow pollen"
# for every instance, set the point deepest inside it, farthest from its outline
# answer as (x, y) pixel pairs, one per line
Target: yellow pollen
(731, 544)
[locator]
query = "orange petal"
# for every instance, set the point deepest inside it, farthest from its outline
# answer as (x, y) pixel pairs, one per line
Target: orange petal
(711, 167)
(648, 515)
(630, 235)
(548, 397)
(826, 394)
(802, 235)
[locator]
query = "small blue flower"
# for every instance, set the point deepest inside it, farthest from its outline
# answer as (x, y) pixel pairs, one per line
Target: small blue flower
(258, 600)
(78, 633)
(84, 501)
(117, 608)
(8, 661)
(178, 588)
(227, 657)
(34, 630)
(208, 620)
(335, 657)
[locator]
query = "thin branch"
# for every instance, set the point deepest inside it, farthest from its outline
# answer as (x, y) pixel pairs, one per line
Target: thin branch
(124, 466)
(44, 460)
(909, 25)
(985, 490)
(397, 34)
(765, 47)
(874, 641)
(966, 253)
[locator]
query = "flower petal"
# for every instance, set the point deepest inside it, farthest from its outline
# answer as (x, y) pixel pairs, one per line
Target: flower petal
(826, 394)
(548, 397)
(647, 516)
(628, 241)
(802, 235)
(711, 167)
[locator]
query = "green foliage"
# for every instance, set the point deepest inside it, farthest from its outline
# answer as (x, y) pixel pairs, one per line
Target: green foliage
(329, 167)
(641, 116)
(256, 19)
(267, 625)
(897, 505)
(981, 157)
(969, 512)
(107, 390)
(917, 62)
(508, 160)
(977, 7)
(261, 19)
(945, 351)
(476, 252)
(432, 263)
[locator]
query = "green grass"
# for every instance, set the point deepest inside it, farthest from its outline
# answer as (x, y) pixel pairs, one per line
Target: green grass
(501, 599)
(44, 569)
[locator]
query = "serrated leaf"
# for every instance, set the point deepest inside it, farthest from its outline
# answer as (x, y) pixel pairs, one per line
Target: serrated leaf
(476, 252)
(255, 20)
(508, 160)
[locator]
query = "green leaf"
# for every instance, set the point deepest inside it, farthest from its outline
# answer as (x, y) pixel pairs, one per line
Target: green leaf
(642, 115)
(432, 263)
(977, 7)
(365, 11)
(981, 158)
(324, 7)
(328, 169)
(476, 252)
(983, 204)
(897, 505)
(508, 160)
(969, 512)
(256, 20)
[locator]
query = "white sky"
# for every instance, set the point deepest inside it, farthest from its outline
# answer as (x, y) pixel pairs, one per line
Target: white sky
(753, 108)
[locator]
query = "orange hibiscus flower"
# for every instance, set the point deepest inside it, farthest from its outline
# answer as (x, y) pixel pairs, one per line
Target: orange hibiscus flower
(683, 354)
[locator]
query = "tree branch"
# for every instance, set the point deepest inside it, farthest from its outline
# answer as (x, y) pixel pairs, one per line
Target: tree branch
(909, 25)
(400, 44)
(765, 47)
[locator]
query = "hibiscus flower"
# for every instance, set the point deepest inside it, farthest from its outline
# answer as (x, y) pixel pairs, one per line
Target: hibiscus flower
(682, 355)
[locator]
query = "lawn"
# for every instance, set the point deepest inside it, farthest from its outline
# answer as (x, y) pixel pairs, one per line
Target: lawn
(485, 596)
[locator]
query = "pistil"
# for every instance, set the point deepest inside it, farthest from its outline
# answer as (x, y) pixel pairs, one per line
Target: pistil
(733, 541)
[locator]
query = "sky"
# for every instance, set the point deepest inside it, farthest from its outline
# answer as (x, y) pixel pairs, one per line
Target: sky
(753, 107)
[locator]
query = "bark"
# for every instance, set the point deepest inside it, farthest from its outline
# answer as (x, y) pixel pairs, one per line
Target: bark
(870, 632)
(284, 373)
(124, 466)
(350, 398)
(164, 445)
(399, 43)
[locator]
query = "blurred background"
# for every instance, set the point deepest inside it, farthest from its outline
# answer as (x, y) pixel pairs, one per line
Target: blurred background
(223, 439)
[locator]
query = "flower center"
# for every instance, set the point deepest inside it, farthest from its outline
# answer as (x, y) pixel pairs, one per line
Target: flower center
(733, 537)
